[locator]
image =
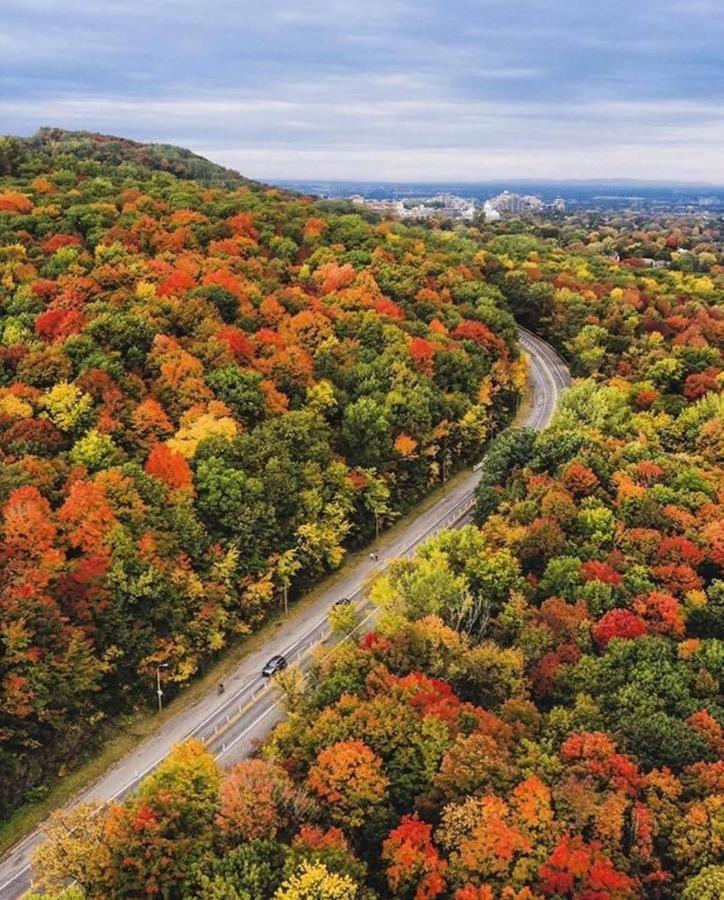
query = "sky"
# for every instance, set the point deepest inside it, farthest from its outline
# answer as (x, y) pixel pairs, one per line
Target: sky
(406, 90)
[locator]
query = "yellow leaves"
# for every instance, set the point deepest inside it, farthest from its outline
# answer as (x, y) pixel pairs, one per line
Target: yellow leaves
(485, 391)
(197, 427)
(474, 427)
(703, 286)
(519, 373)
(314, 881)
(145, 291)
(321, 396)
(66, 405)
(74, 848)
(13, 406)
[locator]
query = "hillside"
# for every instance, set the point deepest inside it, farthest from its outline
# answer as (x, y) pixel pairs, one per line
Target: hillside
(207, 394)
(56, 146)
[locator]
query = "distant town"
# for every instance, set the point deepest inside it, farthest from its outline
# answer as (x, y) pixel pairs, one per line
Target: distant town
(451, 206)
(493, 201)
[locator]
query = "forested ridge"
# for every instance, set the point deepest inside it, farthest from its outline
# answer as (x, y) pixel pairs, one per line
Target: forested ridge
(209, 389)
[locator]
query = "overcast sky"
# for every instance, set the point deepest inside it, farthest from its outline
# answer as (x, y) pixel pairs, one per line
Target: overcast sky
(382, 89)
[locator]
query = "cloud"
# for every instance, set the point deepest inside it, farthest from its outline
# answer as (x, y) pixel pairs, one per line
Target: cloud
(305, 89)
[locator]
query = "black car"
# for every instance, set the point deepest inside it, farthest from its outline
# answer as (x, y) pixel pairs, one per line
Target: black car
(275, 664)
(343, 601)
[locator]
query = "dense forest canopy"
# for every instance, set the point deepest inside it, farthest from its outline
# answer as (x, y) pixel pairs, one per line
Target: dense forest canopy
(206, 391)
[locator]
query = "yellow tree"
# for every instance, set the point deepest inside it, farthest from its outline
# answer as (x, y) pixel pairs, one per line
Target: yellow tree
(74, 848)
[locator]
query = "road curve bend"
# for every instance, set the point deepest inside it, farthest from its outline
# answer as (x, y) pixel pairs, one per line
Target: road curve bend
(233, 724)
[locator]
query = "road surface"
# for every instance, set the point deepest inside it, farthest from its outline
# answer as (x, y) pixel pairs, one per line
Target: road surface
(234, 723)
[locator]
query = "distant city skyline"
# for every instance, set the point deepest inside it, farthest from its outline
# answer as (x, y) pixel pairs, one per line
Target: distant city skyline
(404, 90)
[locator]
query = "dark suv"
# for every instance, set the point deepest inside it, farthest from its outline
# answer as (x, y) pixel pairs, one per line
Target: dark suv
(275, 664)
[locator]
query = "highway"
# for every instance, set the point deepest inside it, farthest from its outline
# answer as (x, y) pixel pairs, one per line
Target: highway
(234, 723)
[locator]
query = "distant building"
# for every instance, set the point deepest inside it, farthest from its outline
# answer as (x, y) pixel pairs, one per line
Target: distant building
(558, 205)
(490, 212)
(507, 202)
(516, 204)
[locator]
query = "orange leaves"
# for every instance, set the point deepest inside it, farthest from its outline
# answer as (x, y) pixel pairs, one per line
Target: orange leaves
(149, 418)
(580, 480)
(243, 224)
(86, 517)
(405, 445)
(332, 277)
(661, 612)
(484, 839)
(313, 228)
(169, 467)
(349, 777)
(677, 579)
(252, 799)
(708, 727)
(389, 308)
(28, 526)
(532, 802)
(594, 754)
(176, 284)
(477, 333)
(14, 202)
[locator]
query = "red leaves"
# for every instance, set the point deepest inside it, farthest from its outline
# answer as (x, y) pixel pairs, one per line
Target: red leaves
(390, 309)
(61, 240)
(422, 353)
(27, 524)
(86, 517)
(169, 467)
(237, 342)
(477, 333)
(617, 623)
(661, 612)
(56, 325)
(412, 861)
(580, 870)
(677, 579)
(598, 571)
(176, 284)
(680, 550)
(252, 799)
(701, 383)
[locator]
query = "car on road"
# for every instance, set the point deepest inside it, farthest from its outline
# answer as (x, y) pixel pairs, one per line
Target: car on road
(276, 664)
(343, 601)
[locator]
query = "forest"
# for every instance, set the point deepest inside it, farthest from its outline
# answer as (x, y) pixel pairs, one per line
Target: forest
(537, 712)
(209, 391)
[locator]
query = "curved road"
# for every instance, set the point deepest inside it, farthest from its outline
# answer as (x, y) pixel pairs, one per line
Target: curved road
(232, 725)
